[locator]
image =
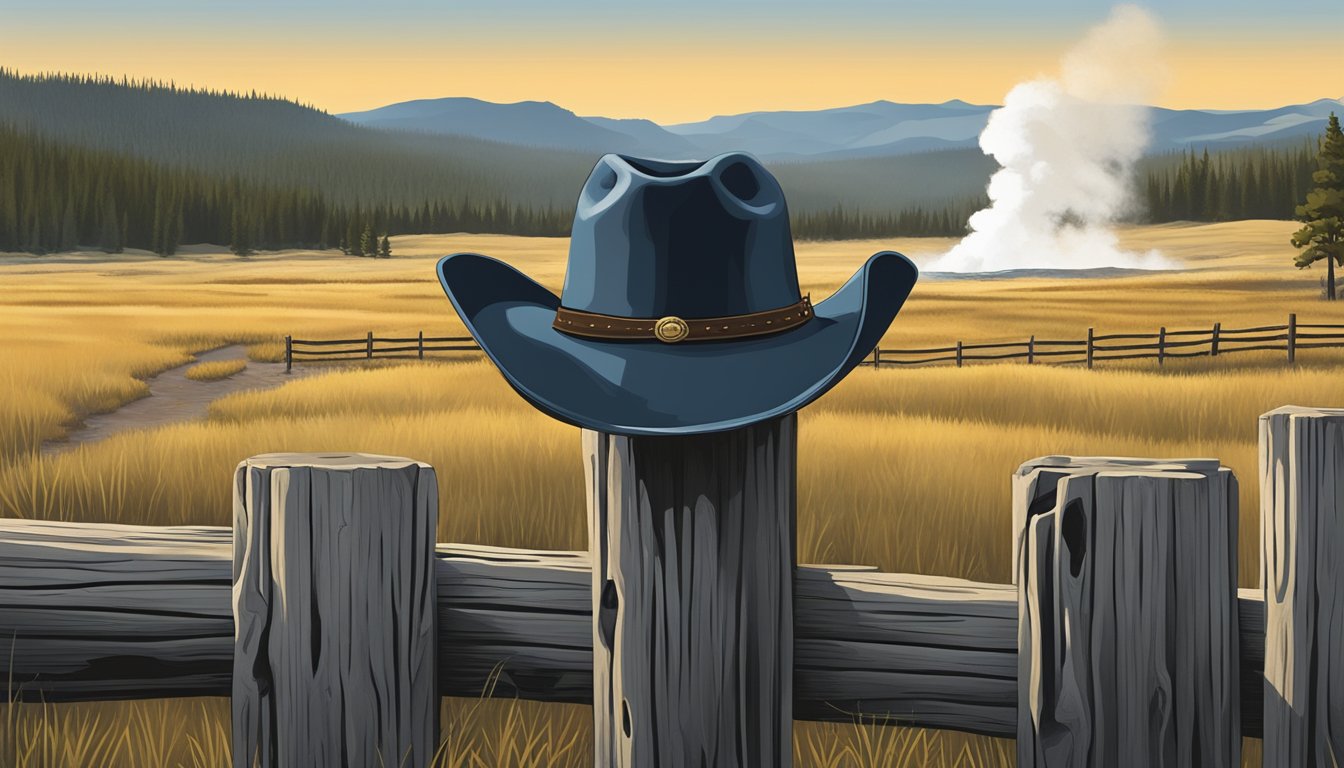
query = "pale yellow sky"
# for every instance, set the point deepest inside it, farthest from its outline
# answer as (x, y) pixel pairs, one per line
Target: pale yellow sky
(666, 81)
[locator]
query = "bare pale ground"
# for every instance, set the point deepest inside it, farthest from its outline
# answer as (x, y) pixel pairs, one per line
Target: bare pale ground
(903, 469)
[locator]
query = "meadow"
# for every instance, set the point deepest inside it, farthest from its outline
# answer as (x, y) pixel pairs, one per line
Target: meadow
(903, 469)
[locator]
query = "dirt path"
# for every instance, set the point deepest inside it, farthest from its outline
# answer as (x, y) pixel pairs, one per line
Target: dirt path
(173, 397)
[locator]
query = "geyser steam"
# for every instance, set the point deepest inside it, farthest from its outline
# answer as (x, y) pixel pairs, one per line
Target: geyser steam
(1067, 147)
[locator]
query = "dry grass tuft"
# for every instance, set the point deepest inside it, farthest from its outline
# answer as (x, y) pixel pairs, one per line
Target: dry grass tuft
(215, 370)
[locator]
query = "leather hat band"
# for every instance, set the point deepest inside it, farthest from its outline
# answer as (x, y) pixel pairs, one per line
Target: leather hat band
(673, 329)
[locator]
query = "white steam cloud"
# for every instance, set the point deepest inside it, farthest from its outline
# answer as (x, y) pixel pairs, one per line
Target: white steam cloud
(1067, 147)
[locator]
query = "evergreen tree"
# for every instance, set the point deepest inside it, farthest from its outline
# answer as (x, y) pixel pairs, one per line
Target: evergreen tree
(156, 230)
(239, 242)
(1322, 215)
(385, 249)
(368, 242)
(109, 234)
(69, 237)
(352, 235)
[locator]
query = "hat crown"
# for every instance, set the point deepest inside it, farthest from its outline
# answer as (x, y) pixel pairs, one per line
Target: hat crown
(654, 238)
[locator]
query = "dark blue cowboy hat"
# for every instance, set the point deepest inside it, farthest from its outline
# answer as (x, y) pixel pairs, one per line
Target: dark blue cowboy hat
(681, 312)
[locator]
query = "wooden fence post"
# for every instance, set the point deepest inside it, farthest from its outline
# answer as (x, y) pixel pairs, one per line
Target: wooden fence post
(1161, 345)
(335, 636)
(1292, 338)
(1031, 349)
(693, 546)
(1213, 340)
(1302, 538)
(1090, 333)
(369, 347)
(958, 354)
(877, 356)
(1036, 483)
(289, 354)
(1128, 645)
(421, 345)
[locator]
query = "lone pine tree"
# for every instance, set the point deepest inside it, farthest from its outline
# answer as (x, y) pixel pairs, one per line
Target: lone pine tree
(385, 248)
(239, 242)
(1322, 234)
(368, 242)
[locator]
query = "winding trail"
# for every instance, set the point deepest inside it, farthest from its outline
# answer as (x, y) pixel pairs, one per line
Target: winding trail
(173, 398)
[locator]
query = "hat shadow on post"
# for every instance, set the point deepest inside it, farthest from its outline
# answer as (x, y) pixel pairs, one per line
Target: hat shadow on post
(681, 311)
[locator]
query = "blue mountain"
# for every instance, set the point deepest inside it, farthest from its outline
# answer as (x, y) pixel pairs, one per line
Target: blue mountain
(876, 129)
(529, 123)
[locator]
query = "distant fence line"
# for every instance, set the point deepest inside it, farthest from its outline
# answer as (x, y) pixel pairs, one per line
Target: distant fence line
(1202, 342)
(368, 348)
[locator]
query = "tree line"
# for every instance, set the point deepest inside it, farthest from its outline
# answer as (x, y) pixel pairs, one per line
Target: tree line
(1254, 183)
(56, 197)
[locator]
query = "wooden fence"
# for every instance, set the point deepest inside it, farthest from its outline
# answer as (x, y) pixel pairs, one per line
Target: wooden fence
(1123, 641)
(373, 347)
(1161, 346)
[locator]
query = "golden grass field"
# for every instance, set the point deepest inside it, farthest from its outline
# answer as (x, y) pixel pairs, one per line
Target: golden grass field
(903, 469)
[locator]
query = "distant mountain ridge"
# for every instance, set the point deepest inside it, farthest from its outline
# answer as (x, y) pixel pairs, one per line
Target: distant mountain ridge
(879, 128)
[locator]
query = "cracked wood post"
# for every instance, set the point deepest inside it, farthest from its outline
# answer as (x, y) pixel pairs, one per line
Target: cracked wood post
(1128, 645)
(692, 541)
(335, 629)
(1302, 539)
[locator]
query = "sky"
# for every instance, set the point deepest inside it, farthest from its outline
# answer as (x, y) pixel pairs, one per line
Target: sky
(667, 61)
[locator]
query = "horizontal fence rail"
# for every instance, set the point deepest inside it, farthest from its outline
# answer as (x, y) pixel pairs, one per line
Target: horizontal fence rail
(1161, 346)
(111, 612)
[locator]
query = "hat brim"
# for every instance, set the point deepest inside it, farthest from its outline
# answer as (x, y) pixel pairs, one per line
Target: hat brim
(650, 387)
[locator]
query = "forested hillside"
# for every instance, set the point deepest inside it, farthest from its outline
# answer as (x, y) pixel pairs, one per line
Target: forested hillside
(271, 140)
(54, 197)
(274, 141)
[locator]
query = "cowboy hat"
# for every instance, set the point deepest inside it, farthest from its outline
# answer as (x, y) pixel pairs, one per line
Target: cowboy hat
(681, 312)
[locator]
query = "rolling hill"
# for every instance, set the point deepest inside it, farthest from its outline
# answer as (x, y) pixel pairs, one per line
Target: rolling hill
(877, 129)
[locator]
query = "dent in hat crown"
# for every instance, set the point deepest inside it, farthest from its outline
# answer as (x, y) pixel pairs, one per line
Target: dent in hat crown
(653, 238)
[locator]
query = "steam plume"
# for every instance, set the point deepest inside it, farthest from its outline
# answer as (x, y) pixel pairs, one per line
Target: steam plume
(1066, 147)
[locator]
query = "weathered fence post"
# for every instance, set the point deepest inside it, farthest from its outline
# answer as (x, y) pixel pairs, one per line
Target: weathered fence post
(1091, 332)
(692, 540)
(1302, 573)
(369, 347)
(1128, 645)
(420, 345)
(334, 611)
(1031, 349)
(877, 356)
(289, 354)
(1292, 338)
(958, 354)
(1213, 340)
(1162, 345)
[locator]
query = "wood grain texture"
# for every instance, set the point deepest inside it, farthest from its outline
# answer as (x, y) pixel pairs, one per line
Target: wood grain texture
(96, 612)
(1302, 573)
(334, 611)
(1129, 622)
(694, 597)
(1035, 481)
